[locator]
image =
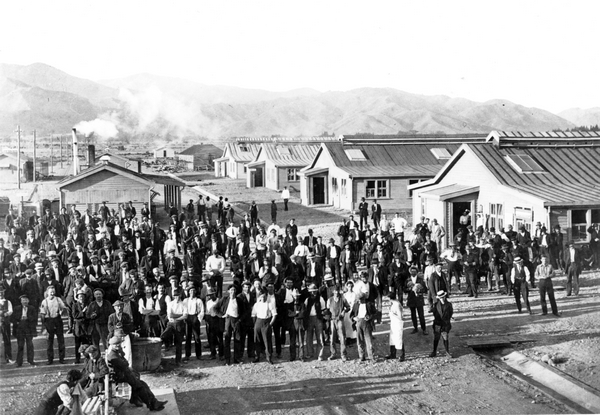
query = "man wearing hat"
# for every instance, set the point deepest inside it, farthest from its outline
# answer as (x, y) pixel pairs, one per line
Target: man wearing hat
(6, 311)
(544, 273)
(453, 257)
(415, 288)
(442, 317)
(333, 259)
(140, 392)
(264, 313)
(176, 316)
(215, 266)
(172, 264)
(572, 263)
(5, 256)
(313, 321)
(232, 309)
(519, 277)
(25, 319)
(80, 327)
(93, 372)
(195, 309)
(31, 288)
(214, 324)
(436, 282)
(58, 399)
(97, 315)
(50, 311)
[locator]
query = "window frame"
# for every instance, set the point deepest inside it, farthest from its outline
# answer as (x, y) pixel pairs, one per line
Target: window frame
(377, 189)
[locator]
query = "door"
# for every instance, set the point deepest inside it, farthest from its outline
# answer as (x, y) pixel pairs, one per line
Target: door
(318, 190)
(258, 177)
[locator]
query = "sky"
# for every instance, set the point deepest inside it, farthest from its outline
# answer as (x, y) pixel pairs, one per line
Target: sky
(543, 54)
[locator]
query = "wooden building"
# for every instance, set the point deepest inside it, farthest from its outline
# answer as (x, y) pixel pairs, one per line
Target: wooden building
(278, 164)
(116, 184)
(200, 156)
(518, 178)
(8, 167)
(233, 161)
(376, 167)
(126, 162)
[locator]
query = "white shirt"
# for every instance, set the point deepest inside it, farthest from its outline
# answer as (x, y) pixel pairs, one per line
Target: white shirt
(285, 194)
(148, 304)
(195, 306)
(214, 263)
(399, 224)
(232, 308)
(264, 310)
(210, 307)
(313, 309)
(175, 309)
(52, 307)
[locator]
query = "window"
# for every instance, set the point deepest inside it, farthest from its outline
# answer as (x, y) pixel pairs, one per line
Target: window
(496, 216)
(245, 169)
(524, 163)
(283, 151)
(343, 187)
(244, 148)
(441, 153)
(355, 154)
(413, 181)
(292, 175)
(334, 185)
(579, 224)
(376, 189)
(523, 217)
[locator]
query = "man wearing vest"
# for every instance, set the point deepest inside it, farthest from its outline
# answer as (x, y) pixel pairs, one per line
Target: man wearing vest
(58, 399)
(50, 311)
(519, 277)
(338, 307)
(6, 311)
(313, 321)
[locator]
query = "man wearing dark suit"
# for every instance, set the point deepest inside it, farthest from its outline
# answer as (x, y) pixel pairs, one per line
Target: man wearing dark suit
(232, 308)
(572, 262)
(376, 213)
(5, 257)
(149, 262)
(25, 319)
(64, 221)
(333, 259)
(320, 252)
(172, 264)
(247, 325)
(363, 211)
(347, 264)
(436, 282)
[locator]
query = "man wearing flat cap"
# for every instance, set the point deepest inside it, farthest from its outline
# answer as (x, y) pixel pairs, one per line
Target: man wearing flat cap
(25, 319)
(177, 315)
(31, 288)
(97, 315)
(140, 392)
(94, 370)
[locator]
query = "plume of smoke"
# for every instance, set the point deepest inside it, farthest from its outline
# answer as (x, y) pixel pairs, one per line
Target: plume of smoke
(100, 127)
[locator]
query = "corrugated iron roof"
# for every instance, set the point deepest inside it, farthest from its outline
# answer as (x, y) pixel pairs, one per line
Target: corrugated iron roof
(201, 150)
(402, 159)
(236, 151)
(571, 174)
(290, 155)
(379, 139)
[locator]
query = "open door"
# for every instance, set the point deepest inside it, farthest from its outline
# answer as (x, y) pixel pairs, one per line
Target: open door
(318, 190)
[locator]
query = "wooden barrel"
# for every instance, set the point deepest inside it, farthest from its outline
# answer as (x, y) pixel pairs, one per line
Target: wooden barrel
(146, 353)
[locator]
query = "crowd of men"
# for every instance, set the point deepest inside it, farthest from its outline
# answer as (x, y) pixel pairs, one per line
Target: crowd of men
(117, 270)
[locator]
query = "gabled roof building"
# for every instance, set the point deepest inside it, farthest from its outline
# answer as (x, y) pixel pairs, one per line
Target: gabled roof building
(518, 178)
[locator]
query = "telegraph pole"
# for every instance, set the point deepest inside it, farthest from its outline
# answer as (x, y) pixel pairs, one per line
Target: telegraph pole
(18, 131)
(61, 151)
(52, 152)
(34, 136)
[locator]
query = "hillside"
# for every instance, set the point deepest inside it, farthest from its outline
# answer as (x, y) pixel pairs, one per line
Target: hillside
(149, 107)
(582, 117)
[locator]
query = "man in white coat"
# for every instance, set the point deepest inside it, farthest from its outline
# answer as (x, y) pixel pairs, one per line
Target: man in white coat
(396, 328)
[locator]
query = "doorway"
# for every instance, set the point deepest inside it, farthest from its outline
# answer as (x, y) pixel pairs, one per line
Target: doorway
(258, 177)
(318, 190)
(458, 209)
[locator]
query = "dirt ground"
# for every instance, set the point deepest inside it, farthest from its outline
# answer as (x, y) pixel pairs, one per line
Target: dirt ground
(466, 383)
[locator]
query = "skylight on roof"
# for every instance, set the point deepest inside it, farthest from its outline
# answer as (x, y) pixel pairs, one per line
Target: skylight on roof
(524, 163)
(243, 147)
(441, 153)
(283, 151)
(355, 154)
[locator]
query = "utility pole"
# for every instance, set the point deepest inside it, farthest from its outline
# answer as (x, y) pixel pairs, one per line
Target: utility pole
(61, 166)
(34, 136)
(52, 152)
(18, 131)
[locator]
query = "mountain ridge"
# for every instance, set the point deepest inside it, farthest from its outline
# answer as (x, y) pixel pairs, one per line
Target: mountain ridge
(150, 106)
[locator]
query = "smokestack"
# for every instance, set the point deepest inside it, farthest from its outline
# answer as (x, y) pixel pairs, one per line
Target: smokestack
(75, 153)
(91, 155)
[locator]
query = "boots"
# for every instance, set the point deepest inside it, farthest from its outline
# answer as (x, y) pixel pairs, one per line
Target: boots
(435, 346)
(392, 354)
(447, 347)
(402, 354)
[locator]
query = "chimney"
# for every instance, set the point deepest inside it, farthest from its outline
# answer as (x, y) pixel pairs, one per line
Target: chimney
(75, 153)
(91, 155)
(139, 166)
